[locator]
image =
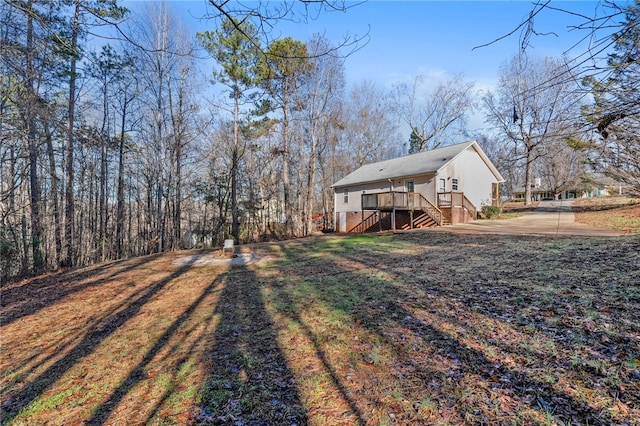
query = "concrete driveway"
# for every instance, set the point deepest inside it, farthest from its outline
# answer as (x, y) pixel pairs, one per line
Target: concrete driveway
(549, 218)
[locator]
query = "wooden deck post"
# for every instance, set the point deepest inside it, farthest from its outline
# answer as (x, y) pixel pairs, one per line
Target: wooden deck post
(393, 213)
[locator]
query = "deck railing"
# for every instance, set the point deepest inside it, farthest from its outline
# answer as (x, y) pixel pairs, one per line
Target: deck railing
(402, 201)
(457, 199)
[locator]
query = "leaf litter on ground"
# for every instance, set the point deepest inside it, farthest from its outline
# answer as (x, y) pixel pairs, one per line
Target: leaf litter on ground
(412, 328)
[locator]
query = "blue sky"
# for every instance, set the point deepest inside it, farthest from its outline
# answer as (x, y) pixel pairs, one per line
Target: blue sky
(434, 39)
(431, 38)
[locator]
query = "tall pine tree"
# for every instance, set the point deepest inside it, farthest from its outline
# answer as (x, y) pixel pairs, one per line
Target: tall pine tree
(233, 47)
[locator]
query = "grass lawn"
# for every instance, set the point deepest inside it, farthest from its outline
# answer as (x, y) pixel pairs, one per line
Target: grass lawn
(616, 212)
(417, 328)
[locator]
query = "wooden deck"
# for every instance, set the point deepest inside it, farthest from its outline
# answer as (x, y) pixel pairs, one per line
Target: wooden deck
(422, 212)
(394, 201)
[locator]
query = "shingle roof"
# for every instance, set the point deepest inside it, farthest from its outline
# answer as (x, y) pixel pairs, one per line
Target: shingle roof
(410, 165)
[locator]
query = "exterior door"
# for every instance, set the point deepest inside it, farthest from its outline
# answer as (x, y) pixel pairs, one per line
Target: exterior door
(409, 186)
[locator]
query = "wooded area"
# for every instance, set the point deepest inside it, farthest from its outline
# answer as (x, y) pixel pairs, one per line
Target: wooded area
(112, 148)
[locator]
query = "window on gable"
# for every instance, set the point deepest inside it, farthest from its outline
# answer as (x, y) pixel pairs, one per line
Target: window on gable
(454, 184)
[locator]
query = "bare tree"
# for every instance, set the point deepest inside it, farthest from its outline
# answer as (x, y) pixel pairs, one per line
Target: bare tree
(370, 132)
(30, 121)
(533, 104)
(561, 168)
(323, 91)
(83, 15)
(265, 15)
(167, 104)
(83, 134)
(434, 114)
(127, 91)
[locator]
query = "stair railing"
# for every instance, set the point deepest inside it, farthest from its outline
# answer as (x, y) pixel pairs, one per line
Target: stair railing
(420, 202)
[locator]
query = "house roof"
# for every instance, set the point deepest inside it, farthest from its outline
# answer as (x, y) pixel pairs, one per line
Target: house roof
(422, 163)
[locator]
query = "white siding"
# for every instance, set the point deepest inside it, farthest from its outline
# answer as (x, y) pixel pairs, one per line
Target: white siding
(474, 177)
(422, 184)
(353, 203)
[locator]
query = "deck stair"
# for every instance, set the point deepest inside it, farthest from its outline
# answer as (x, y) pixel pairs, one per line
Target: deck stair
(424, 220)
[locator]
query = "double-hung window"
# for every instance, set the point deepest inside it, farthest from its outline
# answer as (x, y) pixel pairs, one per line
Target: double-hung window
(345, 195)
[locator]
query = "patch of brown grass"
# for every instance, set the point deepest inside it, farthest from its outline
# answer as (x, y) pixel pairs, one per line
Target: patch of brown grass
(616, 212)
(417, 328)
(518, 207)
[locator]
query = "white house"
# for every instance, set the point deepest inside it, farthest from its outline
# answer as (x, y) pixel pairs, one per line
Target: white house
(438, 187)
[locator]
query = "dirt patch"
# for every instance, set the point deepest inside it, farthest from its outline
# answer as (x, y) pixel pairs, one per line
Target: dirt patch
(210, 259)
(518, 207)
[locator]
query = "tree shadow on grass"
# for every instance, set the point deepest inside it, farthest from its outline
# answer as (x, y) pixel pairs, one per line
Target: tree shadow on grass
(137, 374)
(94, 335)
(39, 293)
(336, 380)
(380, 306)
(249, 381)
(539, 395)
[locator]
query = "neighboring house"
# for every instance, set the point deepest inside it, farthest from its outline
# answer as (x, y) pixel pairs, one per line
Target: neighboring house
(544, 194)
(539, 192)
(438, 187)
(590, 187)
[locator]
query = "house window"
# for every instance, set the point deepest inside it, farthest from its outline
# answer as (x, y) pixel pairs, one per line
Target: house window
(410, 186)
(346, 195)
(443, 185)
(454, 184)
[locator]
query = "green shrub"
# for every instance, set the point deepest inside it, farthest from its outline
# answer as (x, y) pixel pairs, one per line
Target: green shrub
(490, 212)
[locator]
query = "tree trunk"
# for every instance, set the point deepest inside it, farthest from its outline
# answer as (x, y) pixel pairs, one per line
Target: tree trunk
(235, 228)
(286, 183)
(102, 204)
(159, 217)
(25, 244)
(311, 183)
(177, 214)
(147, 229)
(104, 170)
(528, 177)
(34, 183)
(57, 216)
(120, 190)
(70, 254)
